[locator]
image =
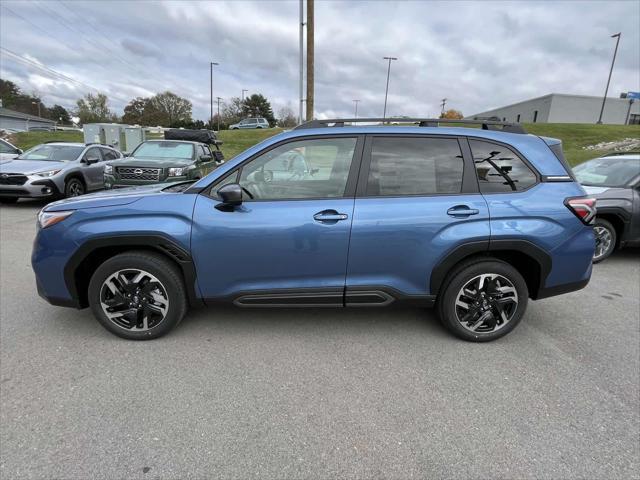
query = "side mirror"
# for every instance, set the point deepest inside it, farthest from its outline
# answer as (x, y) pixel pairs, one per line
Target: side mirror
(90, 160)
(231, 196)
(205, 158)
(19, 151)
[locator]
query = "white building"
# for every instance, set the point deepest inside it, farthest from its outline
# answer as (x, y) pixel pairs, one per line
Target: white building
(561, 108)
(13, 121)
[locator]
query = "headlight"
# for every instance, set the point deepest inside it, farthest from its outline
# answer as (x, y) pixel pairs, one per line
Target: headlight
(177, 172)
(108, 169)
(47, 219)
(49, 173)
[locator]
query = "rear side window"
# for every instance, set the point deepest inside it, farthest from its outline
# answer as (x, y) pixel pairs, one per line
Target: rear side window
(414, 166)
(499, 168)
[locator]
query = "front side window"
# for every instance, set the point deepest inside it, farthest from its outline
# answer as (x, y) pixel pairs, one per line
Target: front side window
(164, 149)
(93, 154)
(53, 153)
(414, 166)
(303, 169)
(499, 168)
(6, 148)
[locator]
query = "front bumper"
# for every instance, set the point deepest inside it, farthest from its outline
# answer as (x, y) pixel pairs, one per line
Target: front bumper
(34, 187)
(112, 181)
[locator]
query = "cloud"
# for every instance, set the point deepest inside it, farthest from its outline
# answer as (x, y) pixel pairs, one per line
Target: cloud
(478, 55)
(139, 48)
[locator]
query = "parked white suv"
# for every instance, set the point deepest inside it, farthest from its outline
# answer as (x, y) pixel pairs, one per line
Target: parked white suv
(258, 122)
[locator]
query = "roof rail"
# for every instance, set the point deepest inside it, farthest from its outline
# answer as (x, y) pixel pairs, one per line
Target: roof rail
(422, 122)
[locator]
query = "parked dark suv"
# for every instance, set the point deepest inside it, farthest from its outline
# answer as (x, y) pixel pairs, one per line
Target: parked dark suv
(182, 155)
(473, 221)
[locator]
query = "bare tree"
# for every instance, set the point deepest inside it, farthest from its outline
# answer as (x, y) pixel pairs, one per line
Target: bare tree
(286, 117)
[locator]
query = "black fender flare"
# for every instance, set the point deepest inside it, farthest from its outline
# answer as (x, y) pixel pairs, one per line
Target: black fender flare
(459, 253)
(158, 242)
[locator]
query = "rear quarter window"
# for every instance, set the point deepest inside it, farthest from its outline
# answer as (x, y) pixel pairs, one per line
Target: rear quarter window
(499, 169)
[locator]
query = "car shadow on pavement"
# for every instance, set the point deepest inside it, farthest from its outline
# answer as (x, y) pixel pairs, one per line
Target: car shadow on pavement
(234, 320)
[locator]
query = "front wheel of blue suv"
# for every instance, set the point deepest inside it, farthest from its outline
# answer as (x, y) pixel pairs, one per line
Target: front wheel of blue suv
(138, 295)
(483, 299)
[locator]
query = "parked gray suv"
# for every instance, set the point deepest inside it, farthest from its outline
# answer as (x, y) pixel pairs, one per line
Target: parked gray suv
(54, 170)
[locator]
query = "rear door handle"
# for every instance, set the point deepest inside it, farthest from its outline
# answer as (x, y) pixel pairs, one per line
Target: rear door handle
(330, 216)
(462, 211)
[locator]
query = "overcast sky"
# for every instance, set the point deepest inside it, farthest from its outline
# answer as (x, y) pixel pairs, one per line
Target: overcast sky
(479, 55)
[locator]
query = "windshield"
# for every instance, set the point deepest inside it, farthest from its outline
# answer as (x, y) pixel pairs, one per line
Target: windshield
(608, 172)
(164, 149)
(53, 153)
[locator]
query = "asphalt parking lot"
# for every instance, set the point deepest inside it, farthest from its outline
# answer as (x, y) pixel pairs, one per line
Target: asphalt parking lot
(320, 393)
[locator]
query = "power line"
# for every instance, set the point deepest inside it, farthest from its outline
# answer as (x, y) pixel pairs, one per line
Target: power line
(73, 29)
(55, 73)
(82, 21)
(39, 29)
(93, 25)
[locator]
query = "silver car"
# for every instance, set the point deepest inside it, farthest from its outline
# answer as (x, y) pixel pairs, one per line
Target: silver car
(8, 151)
(54, 170)
(257, 122)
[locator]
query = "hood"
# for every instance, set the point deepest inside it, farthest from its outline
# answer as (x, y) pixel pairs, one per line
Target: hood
(151, 162)
(108, 198)
(609, 193)
(30, 166)
(595, 190)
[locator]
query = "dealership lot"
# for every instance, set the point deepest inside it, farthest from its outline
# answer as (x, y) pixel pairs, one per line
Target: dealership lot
(317, 393)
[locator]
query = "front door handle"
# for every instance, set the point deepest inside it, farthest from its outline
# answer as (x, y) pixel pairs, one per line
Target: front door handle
(462, 211)
(330, 216)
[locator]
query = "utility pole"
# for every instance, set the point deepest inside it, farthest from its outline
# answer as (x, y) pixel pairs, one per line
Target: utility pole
(386, 92)
(219, 98)
(301, 60)
(244, 90)
(356, 113)
(606, 90)
(310, 60)
(211, 88)
(444, 102)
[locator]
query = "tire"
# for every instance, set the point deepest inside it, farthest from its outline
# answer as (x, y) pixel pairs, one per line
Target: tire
(8, 200)
(74, 187)
(162, 297)
(483, 312)
(606, 238)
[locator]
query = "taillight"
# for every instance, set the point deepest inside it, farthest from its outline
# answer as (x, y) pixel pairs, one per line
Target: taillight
(583, 207)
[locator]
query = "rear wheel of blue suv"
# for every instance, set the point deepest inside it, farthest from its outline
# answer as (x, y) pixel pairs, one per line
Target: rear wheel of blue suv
(474, 222)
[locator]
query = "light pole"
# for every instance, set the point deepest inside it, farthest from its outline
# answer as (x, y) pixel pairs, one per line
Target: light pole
(244, 90)
(356, 102)
(606, 90)
(37, 103)
(386, 92)
(219, 98)
(211, 87)
(444, 102)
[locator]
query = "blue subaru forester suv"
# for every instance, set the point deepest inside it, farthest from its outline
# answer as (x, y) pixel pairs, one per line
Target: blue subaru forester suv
(475, 221)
